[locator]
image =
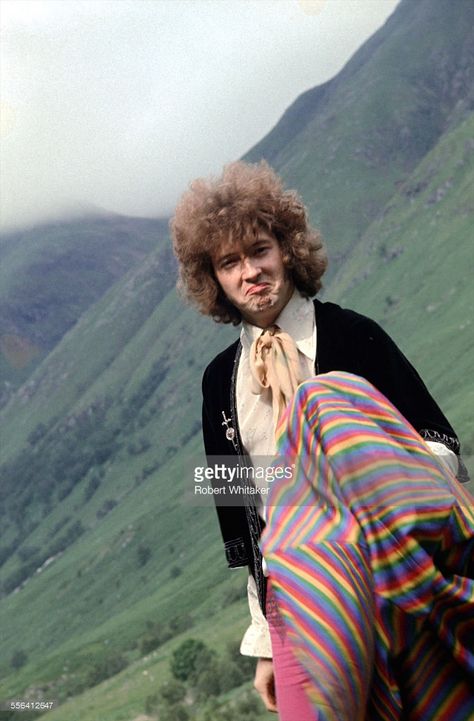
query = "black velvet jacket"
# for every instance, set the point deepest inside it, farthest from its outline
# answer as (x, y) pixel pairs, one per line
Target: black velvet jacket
(346, 341)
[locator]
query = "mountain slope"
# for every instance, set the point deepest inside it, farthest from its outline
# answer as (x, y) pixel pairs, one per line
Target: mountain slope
(346, 144)
(412, 270)
(101, 507)
(99, 533)
(50, 274)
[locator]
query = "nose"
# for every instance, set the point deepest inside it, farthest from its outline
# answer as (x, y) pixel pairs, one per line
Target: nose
(250, 269)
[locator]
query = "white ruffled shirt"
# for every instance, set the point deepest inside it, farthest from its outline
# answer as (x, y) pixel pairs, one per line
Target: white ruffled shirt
(255, 418)
(254, 410)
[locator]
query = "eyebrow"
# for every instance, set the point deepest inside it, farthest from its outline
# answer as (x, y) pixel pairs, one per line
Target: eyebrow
(231, 254)
(225, 257)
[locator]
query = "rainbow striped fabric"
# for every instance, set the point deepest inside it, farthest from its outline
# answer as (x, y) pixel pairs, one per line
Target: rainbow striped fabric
(370, 548)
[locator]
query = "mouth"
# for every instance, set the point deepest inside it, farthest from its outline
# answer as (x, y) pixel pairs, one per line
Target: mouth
(257, 288)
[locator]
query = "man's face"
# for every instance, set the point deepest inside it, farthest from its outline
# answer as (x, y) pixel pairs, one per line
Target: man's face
(253, 278)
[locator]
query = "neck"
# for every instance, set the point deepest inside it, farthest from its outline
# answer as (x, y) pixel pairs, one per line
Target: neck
(264, 320)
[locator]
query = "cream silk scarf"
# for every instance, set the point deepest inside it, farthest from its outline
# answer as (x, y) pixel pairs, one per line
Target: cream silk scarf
(274, 364)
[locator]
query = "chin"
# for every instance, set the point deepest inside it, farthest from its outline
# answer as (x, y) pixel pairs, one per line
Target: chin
(267, 301)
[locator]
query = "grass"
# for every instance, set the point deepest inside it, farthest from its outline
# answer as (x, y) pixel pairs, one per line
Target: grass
(403, 227)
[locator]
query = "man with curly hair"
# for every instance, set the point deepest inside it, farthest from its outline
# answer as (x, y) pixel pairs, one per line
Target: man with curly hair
(248, 255)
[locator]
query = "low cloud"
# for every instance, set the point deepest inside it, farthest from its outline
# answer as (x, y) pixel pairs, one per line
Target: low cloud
(121, 104)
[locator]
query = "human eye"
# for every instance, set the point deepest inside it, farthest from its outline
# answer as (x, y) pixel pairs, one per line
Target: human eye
(227, 263)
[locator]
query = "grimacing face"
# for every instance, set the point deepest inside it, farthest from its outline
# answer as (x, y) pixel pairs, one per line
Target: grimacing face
(253, 277)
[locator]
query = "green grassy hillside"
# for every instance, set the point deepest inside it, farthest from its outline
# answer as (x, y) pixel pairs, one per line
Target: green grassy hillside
(106, 564)
(346, 144)
(50, 274)
(113, 543)
(412, 270)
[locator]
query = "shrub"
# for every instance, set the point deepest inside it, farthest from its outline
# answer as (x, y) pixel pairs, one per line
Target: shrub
(173, 691)
(106, 507)
(143, 554)
(178, 624)
(91, 488)
(5, 553)
(106, 668)
(246, 707)
(151, 703)
(37, 434)
(185, 657)
(21, 574)
(176, 712)
(27, 552)
(18, 659)
(59, 526)
(153, 640)
(207, 681)
(142, 445)
(74, 531)
(231, 676)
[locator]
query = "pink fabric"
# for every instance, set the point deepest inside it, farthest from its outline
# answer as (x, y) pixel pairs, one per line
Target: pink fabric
(290, 677)
(370, 550)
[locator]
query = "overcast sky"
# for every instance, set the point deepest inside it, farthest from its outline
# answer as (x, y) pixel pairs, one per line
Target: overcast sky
(120, 103)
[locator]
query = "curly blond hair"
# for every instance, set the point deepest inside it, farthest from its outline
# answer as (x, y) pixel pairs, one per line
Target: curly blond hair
(244, 200)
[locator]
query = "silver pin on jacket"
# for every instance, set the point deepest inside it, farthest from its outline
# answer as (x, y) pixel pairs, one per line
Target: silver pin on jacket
(230, 431)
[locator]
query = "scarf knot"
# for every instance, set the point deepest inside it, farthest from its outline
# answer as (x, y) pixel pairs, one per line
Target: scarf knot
(274, 364)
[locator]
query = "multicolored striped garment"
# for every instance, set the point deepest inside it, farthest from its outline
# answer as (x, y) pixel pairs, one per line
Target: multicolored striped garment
(370, 548)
